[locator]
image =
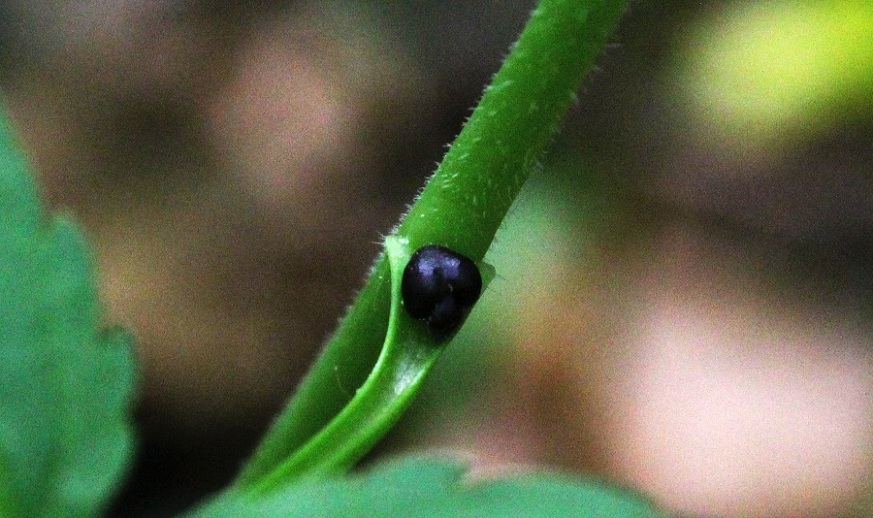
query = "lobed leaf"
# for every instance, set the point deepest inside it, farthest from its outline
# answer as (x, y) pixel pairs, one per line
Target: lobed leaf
(65, 395)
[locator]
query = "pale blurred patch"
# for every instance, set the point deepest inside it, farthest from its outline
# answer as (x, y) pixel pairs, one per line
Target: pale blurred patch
(740, 401)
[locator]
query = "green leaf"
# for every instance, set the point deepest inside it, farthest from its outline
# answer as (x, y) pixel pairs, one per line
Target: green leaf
(65, 436)
(435, 488)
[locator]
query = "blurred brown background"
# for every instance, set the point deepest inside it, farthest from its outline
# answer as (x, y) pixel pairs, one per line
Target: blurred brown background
(683, 301)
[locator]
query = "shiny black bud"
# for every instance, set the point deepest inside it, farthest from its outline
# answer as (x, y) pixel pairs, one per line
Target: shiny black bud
(440, 287)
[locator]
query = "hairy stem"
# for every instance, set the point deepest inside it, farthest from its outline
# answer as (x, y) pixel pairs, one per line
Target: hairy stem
(461, 207)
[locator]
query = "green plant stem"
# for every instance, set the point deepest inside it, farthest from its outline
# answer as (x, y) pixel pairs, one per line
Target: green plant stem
(461, 207)
(409, 352)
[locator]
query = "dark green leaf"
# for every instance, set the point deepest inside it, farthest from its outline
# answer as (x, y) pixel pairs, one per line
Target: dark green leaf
(65, 437)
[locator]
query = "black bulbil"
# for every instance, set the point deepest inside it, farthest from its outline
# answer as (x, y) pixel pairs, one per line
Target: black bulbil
(439, 287)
